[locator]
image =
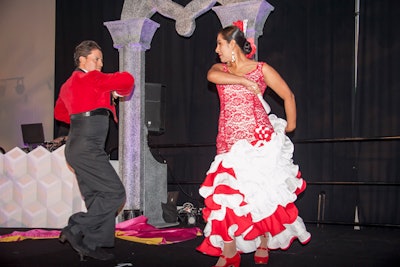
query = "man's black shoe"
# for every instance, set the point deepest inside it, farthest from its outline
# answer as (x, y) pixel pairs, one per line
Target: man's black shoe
(100, 254)
(75, 241)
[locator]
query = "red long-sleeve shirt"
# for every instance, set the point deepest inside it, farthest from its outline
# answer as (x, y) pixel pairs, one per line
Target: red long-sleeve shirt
(88, 91)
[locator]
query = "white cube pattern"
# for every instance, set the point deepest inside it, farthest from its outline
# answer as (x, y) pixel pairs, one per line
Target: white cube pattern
(15, 162)
(25, 189)
(11, 215)
(49, 190)
(34, 214)
(39, 162)
(58, 214)
(37, 189)
(6, 190)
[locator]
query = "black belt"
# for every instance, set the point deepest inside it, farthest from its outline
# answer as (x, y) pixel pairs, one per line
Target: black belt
(100, 111)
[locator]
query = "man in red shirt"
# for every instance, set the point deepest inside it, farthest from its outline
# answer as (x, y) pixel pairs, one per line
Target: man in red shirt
(85, 102)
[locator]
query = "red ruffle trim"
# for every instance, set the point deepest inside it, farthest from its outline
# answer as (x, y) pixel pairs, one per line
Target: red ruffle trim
(303, 186)
(209, 180)
(221, 189)
(273, 224)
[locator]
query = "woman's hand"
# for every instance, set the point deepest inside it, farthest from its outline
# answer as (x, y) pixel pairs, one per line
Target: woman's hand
(252, 86)
(290, 128)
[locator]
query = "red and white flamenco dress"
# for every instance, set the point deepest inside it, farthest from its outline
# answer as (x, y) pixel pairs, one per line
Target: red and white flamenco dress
(252, 184)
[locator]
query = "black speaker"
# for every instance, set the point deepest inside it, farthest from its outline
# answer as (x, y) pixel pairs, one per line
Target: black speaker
(155, 108)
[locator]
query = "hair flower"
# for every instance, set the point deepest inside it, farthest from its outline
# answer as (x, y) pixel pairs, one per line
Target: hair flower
(238, 24)
(242, 25)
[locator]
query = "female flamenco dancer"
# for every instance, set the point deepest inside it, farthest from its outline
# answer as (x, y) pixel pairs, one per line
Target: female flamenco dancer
(252, 183)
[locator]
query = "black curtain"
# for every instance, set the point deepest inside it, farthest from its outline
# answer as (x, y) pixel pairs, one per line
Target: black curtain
(378, 109)
(311, 44)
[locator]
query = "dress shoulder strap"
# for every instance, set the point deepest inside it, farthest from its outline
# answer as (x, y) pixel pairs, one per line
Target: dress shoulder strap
(260, 65)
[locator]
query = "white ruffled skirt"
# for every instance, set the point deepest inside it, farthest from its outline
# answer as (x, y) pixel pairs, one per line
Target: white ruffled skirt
(250, 191)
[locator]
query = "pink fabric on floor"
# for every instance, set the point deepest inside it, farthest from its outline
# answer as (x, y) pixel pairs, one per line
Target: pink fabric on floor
(139, 228)
(136, 230)
(31, 234)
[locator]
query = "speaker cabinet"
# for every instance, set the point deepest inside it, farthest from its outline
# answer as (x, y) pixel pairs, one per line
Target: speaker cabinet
(155, 108)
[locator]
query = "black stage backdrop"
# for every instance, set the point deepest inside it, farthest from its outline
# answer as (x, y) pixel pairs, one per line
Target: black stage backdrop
(346, 111)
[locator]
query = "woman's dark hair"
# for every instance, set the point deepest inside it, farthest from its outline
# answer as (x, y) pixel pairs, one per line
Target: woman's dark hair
(230, 33)
(84, 49)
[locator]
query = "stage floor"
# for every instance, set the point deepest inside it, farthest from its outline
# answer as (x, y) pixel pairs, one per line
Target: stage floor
(330, 246)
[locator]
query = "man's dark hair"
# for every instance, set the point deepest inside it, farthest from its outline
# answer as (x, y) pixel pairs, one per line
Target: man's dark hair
(84, 49)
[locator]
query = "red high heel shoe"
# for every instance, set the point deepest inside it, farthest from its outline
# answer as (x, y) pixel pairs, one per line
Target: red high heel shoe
(261, 260)
(231, 262)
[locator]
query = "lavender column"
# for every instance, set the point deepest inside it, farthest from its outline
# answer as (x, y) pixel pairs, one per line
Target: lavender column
(145, 179)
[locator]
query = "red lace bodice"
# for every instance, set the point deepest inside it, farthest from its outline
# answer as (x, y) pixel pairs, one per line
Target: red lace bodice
(240, 111)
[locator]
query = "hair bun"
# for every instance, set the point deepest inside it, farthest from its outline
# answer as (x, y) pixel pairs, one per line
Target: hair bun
(247, 47)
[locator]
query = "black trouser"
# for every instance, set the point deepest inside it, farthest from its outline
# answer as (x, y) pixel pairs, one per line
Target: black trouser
(98, 182)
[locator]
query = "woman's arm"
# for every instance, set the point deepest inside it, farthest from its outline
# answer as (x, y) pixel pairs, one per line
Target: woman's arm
(276, 83)
(217, 75)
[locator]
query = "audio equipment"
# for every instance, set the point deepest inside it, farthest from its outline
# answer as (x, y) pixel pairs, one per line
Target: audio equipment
(155, 108)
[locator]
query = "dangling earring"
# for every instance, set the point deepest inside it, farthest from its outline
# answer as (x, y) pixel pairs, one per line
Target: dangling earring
(233, 57)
